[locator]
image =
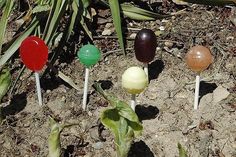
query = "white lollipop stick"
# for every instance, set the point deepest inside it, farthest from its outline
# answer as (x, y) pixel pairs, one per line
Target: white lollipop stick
(196, 92)
(145, 68)
(85, 88)
(133, 101)
(38, 88)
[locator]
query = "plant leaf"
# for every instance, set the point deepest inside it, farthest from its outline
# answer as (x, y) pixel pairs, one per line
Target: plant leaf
(182, 151)
(115, 11)
(5, 81)
(41, 8)
(15, 43)
(121, 120)
(54, 142)
(211, 2)
(2, 3)
(57, 11)
(136, 13)
(3, 23)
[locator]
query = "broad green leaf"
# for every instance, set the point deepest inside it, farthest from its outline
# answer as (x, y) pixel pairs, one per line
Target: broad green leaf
(115, 11)
(15, 43)
(3, 23)
(5, 81)
(121, 120)
(182, 152)
(212, 2)
(136, 13)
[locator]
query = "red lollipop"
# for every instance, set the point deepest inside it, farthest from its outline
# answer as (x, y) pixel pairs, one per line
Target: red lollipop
(34, 53)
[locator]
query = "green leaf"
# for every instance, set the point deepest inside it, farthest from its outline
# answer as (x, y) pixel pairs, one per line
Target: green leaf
(136, 13)
(3, 23)
(121, 120)
(56, 13)
(2, 3)
(54, 142)
(115, 11)
(212, 2)
(182, 152)
(5, 81)
(41, 8)
(15, 43)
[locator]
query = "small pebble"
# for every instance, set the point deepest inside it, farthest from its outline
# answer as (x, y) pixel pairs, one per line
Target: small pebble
(98, 145)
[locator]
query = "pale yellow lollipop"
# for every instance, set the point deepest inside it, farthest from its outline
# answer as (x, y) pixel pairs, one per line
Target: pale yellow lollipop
(134, 81)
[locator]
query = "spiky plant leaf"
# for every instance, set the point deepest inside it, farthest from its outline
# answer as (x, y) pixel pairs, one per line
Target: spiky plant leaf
(115, 11)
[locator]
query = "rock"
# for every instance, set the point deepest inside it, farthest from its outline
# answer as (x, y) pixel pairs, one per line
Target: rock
(107, 32)
(133, 35)
(98, 145)
(168, 44)
(220, 93)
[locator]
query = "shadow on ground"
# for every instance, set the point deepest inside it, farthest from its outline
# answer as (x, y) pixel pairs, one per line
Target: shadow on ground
(206, 88)
(146, 112)
(105, 84)
(140, 149)
(155, 68)
(17, 104)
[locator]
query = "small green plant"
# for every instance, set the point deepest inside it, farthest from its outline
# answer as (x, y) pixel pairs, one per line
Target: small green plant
(182, 151)
(121, 120)
(54, 142)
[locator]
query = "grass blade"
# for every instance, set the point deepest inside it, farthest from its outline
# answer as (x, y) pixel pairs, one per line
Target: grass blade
(115, 11)
(212, 2)
(5, 81)
(136, 13)
(3, 23)
(57, 11)
(17, 41)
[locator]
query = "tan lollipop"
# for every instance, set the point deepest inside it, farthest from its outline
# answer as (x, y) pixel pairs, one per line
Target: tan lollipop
(198, 59)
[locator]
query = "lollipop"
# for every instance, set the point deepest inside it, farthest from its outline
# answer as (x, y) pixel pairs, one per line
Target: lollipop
(134, 81)
(198, 59)
(88, 55)
(145, 47)
(34, 54)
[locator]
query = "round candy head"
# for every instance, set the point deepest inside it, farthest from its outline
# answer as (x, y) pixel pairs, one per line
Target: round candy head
(199, 58)
(145, 45)
(34, 53)
(134, 80)
(89, 55)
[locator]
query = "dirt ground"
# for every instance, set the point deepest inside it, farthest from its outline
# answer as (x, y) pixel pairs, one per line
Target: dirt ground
(165, 108)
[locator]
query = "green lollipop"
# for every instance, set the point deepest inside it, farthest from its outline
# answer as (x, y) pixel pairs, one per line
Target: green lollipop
(88, 55)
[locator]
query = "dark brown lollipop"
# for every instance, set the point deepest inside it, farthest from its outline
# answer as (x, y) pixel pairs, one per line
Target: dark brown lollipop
(145, 45)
